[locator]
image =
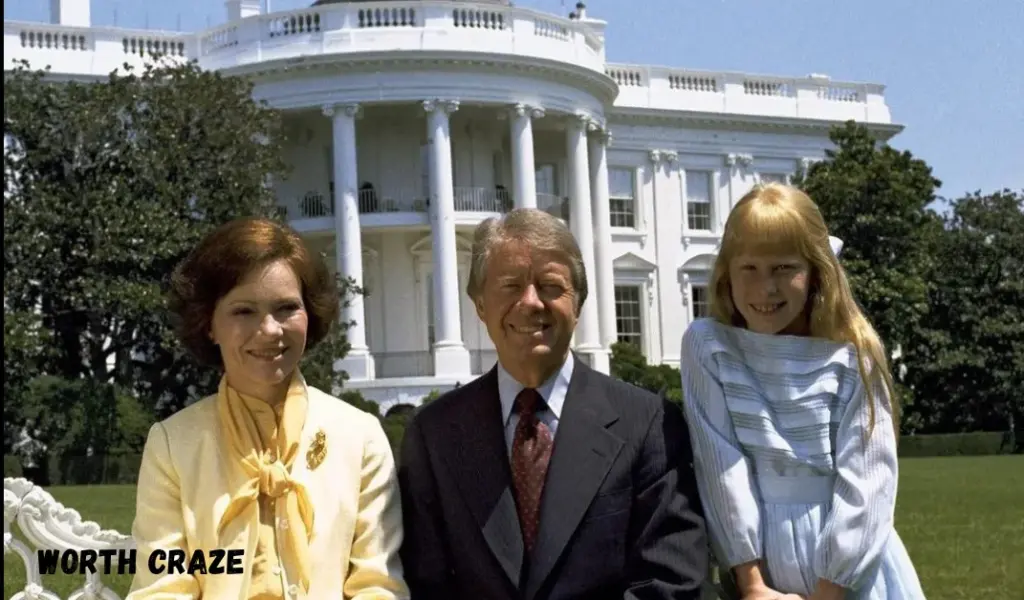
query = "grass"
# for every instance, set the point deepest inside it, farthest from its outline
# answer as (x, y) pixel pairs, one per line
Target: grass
(959, 517)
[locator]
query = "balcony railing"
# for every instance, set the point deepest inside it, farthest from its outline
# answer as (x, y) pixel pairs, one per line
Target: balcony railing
(814, 96)
(316, 204)
(331, 29)
(403, 364)
(482, 199)
(420, 363)
(555, 205)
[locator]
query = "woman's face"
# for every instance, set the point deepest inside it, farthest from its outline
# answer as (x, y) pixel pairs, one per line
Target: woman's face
(260, 327)
(770, 291)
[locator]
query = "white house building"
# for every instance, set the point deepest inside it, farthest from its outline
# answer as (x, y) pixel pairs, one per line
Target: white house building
(414, 120)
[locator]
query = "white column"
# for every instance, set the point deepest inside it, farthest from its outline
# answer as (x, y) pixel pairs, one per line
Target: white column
(348, 244)
(523, 167)
(604, 275)
(581, 222)
(451, 358)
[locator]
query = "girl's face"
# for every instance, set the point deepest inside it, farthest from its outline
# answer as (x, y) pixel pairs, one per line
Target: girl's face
(770, 291)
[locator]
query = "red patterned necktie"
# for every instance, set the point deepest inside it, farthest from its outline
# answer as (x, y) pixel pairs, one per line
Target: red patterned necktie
(531, 453)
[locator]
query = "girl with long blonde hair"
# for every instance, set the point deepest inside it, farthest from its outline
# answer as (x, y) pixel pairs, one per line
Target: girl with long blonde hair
(791, 408)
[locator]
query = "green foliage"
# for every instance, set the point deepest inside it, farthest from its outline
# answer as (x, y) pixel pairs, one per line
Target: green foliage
(83, 417)
(969, 371)
(978, 443)
(876, 199)
(12, 466)
(107, 186)
(355, 398)
(318, 365)
(630, 365)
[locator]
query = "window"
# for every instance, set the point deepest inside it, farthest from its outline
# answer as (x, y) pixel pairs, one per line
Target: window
(698, 200)
(700, 302)
(622, 198)
(545, 180)
(773, 178)
(628, 325)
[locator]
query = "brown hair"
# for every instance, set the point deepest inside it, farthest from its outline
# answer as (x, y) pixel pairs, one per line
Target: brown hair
(538, 229)
(223, 258)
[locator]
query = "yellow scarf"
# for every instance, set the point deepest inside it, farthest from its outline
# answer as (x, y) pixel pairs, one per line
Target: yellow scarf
(269, 471)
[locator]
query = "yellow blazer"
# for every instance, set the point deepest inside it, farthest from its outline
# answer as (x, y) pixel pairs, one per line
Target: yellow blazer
(186, 482)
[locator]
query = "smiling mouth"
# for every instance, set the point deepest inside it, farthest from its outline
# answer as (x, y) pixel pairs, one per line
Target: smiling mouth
(269, 355)
(530, 329)
(767, 309)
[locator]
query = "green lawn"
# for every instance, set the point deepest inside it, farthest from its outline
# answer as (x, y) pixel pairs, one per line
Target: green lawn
(959, 517)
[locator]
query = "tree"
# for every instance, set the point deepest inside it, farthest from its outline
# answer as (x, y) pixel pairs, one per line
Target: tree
(108, 185)
(318, 364)
(876, 199)
(970, 375)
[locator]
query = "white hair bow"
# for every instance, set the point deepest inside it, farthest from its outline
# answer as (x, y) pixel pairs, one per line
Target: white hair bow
(836, 243)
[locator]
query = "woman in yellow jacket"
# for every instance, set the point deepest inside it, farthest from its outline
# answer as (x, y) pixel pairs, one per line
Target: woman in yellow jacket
(300, 484)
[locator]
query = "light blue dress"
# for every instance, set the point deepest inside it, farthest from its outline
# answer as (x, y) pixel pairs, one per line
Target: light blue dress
(786, 470)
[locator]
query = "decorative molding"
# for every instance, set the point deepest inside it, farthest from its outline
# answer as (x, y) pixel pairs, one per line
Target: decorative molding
(521, 109)
(657, 157)
(632, 262)
(350, 109)
(446, 106)
(743, 160)
(738, 122)
(582, 120)
(424, 247)
(651, 282)
(603, 137)
(702, 263)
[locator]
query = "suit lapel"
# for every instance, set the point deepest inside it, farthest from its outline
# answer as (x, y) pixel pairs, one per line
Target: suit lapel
(583, 454)
(478, 460)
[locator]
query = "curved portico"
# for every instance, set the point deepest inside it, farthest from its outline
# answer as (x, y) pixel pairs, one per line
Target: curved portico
(440, 147)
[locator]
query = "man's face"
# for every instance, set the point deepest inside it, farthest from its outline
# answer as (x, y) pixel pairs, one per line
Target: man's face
(528, 304)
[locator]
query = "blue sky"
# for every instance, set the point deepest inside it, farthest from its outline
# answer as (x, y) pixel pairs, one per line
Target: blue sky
(954, 69)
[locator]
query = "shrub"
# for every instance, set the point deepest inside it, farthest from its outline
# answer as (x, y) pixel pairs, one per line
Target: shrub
(978, 443)
(12, 466)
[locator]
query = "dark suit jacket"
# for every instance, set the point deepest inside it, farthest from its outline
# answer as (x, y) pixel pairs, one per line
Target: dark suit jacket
(620, 514)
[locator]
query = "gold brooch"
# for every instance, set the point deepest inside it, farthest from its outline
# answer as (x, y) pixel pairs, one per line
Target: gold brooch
(317, 451)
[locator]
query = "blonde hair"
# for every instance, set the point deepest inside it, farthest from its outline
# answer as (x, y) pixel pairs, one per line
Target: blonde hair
(777, 218)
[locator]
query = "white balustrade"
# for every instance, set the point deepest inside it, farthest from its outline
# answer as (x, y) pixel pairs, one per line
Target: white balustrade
(482, 199)
(330, 29)
(441, 26)
(814, 96)
(46, 524)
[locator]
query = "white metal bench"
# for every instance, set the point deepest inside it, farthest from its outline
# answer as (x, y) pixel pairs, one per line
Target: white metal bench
(49, 525)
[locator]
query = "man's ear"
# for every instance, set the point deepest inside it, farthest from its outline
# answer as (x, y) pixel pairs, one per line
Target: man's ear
(479, 305)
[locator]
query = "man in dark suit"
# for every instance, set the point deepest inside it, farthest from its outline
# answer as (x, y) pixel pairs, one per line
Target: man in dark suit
(545, 479)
